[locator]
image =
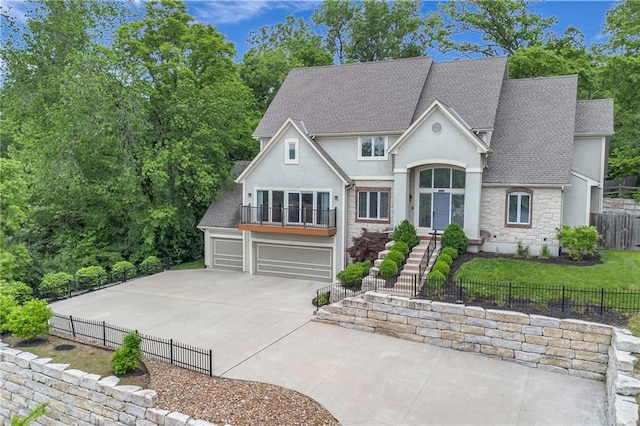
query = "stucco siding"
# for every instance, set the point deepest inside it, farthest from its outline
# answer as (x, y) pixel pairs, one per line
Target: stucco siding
(576, 202)
(546, 216)
(587, 157)
(344, 150)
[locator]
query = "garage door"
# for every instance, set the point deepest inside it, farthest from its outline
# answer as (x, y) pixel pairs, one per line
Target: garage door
(311, 263)
(226, 253)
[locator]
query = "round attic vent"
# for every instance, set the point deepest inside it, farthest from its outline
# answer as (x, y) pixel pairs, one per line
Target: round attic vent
(436, 128)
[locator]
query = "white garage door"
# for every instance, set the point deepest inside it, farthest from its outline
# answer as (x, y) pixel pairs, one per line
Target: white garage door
(226, 253)
(310, 263)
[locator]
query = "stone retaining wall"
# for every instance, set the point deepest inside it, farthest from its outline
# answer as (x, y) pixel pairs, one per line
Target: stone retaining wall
(75, 397)
(567, 346)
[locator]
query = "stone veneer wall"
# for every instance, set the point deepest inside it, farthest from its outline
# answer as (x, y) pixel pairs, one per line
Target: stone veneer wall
(546, 217)
(76, 397)
(568, 346)
(354, 228)
(620, 205)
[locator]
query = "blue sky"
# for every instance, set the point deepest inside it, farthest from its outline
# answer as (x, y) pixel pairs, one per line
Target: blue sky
(235, 19)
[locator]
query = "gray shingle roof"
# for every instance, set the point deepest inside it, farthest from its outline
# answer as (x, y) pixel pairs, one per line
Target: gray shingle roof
(532, 140)
(471, 87)
(225, 211)
(594, 117)
(366, 97)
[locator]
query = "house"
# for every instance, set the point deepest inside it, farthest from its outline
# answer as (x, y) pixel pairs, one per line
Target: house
(368, 145)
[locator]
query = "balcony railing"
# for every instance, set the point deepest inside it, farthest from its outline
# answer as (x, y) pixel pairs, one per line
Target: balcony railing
(290, 220)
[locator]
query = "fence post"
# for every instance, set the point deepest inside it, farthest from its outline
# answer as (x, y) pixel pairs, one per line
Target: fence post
(73, 330)
(171, 351)
(104, 333)
(602, 301)
(562, 298)
(460, 296)
(509, 300)
(210, 362)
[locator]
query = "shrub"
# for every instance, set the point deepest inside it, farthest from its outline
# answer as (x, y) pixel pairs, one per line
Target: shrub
(55, 284)
(453, 236)
(521, 250)
(123, 270)
(367, 245)
(151, 265)
(406, 233)
(322, 299)
(388, 269)
(29, 320)
(396, 256)
(7, 304)
(434, 281)
(445, 258)
(352, 276)
(91, 276)
(545, 253)
(441, 267)
(402, 247)
(127, 357)
(580, 240)
(16, 289)
(450, 251)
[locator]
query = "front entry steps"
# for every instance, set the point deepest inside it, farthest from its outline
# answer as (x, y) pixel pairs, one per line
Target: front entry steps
(412, 266)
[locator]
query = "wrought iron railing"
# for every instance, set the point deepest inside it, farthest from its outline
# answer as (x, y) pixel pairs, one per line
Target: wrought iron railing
(424, 262)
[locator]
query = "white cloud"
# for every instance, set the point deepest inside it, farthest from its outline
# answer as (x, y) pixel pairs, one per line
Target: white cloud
(231, 11)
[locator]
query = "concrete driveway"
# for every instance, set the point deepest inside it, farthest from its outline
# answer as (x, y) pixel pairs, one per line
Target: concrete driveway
(259, 329)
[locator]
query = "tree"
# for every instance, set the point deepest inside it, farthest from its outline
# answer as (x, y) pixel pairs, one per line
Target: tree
(276, 50)
(371, 30)
(620, 56)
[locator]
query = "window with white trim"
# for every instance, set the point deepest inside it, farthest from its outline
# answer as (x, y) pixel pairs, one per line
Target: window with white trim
(519, 208)
(291, 154)
(372, 205)
(372, 148)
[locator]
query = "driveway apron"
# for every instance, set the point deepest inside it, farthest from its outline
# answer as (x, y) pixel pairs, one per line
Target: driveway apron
(259, 329)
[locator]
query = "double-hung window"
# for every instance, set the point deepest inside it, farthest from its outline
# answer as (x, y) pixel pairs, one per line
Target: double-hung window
(373, 205)
(519, 208)
(372, 148)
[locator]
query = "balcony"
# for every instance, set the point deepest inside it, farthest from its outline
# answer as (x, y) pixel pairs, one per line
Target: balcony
(292, 220)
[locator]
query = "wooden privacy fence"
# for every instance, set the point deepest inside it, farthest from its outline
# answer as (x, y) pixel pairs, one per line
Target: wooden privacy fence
(619, 231)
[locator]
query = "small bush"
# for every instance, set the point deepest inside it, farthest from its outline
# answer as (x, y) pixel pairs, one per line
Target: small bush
(445, 258)
(453, 236)
(352, 276)
(434, 281)
(322, 299)
(367, 245)
(521, 250)
(55, 284)
(450, 251)
(402, 247)
(441, 267)
(396, 256)
(388, 269)
(7, 304)
(580, 240)
(123, 270)
(29, 320)
(151, 265)
(406, 233)
(16, 289)
(545, 253)
(91, 276)
(126, 358)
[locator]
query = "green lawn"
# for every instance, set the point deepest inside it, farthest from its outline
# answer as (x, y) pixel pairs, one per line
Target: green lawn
(620, 270)
(196, 264)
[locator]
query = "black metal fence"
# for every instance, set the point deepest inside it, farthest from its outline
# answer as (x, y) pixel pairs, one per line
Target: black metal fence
(167, 350)
(81, 285)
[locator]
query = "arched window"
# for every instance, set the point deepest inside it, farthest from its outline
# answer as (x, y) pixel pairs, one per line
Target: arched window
(518, 209)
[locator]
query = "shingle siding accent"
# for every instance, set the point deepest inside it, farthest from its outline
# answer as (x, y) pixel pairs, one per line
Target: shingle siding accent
(532, 140)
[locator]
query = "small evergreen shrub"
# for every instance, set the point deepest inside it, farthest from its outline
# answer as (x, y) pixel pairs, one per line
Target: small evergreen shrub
(7, 304)
(91, 276)
(322, 299)
(402, 247)
(367, 245)
(126, 358)
(388, 269)
(396, 257)
(434, 281)
(580, 240)
(29, 320)
(521, 250)
(55, 284)
(450, 251)
(353, 274)
(123, 270)
(441, 267)
(406, 233)
(151, 265)
(453, 236)
(445, 258)
(545, 253)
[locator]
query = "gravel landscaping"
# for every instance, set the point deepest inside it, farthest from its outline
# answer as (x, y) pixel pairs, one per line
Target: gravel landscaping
(236, 402)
